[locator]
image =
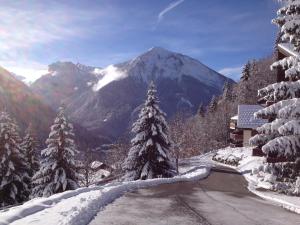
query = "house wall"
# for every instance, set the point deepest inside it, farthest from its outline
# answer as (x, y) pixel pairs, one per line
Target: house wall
(280, 71)
(247, 134)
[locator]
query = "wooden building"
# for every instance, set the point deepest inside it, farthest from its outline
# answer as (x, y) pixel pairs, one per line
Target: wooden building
(284, 50)
(243, 125)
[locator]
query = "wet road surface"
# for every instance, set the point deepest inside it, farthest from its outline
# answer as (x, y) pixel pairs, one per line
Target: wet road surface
(220, 199)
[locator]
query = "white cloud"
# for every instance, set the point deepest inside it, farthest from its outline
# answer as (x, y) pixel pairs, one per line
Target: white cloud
(29, 69)
(232, 72)
(170, 7)
(110, 74)
(27, 25)
(23, 25)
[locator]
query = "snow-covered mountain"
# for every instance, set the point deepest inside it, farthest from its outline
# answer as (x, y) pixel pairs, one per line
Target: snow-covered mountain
(160, 63)
(64, 80)
(105, 101)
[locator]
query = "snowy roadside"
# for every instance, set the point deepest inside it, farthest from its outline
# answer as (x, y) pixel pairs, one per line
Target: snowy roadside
(80, 206)
(247, 163)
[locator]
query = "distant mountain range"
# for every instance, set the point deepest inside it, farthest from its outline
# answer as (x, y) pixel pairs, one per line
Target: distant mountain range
(23, 104)
(105, 101)
(27, 107)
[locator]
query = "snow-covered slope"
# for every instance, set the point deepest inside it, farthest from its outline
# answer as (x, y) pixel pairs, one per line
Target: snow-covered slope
(105, 101)
(157, 63)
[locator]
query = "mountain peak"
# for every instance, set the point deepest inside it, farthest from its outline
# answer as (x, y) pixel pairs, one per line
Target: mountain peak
(158, 49)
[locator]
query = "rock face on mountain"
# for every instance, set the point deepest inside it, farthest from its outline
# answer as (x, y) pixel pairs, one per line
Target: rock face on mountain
(105, 101)
(24, 105)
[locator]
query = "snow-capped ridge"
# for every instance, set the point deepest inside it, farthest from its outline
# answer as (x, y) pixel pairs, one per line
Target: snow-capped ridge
(86, 68)
(68, 66)
(158, 62)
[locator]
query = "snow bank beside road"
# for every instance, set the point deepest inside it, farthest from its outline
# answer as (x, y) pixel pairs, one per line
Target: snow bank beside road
(246, 165)
(80, 206)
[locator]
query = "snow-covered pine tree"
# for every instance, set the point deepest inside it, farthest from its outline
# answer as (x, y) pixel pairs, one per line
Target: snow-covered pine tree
(29, 147)
(277, 41)
(13, 167)
(213, 104)
(149, 155)
(281, 137)
(58, 171)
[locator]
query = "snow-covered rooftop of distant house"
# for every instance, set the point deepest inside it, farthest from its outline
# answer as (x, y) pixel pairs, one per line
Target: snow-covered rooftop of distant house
(96, 164)
(246, 117)
(234, 117)
(287, 49)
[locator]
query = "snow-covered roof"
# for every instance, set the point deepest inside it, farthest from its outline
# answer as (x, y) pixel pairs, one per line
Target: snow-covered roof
(287, 49)
(234, 117)
(96, 164)
(246, 117)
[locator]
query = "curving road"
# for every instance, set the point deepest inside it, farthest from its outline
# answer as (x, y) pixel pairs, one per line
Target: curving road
(220, 199)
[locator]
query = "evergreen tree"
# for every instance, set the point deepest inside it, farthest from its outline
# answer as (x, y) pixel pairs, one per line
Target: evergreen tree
(245, 89)
(277, 41)
(201, 110)
(149, 156)
(13, 168)
(246, 71)
(58, 171)
(227, 91)
(213, 104)
(29, 147)
(281, 137)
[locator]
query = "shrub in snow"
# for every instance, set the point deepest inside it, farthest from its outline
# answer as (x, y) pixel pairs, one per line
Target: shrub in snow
(229, 159)
(13, 167)
(58, 171)
(281, 136)
(149, 155)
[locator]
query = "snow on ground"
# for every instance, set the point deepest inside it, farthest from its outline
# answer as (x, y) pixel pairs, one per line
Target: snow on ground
(80, 206)
(247, 165)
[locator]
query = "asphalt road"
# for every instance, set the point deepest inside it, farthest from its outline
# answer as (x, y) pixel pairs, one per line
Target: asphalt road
(221, 199)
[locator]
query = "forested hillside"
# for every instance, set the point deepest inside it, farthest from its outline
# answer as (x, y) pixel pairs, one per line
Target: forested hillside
(208, 129)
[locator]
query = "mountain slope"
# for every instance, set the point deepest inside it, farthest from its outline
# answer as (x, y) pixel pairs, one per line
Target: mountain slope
(28, 107)
(157, 63)
(64, 80)
(108, 99)
(24, 105)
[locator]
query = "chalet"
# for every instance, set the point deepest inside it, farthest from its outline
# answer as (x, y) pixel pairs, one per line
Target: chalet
(243, 126)
(284, 50)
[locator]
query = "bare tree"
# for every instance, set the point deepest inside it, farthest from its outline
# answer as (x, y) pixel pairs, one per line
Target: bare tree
(177, 133)
(116, 155)
(86, 167)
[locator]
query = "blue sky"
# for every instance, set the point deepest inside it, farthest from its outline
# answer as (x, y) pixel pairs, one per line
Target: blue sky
(223, 34)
